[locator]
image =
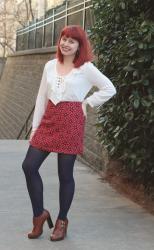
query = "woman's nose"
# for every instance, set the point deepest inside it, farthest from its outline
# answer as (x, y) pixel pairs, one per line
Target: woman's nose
(66, 42)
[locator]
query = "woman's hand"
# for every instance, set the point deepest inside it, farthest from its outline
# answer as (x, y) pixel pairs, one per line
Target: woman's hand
(84, 108)
(31, 135)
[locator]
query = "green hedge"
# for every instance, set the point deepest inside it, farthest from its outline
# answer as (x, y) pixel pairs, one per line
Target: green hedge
(123, 38)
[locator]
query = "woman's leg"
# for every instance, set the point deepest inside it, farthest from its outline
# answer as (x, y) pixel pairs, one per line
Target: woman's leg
(66, 181)
(31, 165)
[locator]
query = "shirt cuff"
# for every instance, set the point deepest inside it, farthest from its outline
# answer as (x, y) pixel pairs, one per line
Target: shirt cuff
(87, 101)
(34, 129)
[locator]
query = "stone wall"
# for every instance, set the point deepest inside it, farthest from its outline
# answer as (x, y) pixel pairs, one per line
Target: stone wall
(18, 89)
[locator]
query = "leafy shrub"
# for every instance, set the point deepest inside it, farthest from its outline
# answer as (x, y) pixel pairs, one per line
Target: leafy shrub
(123, 38)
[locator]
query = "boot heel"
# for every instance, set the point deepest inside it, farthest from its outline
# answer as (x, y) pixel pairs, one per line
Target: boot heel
(50, 223)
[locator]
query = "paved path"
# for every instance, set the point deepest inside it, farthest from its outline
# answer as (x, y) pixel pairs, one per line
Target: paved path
(99, 218)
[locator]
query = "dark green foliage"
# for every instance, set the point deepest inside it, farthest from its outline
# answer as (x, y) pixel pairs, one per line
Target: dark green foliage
(123, 38)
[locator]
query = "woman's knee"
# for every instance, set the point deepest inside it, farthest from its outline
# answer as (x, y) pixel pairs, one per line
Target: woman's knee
(66, 178)
(27, 167)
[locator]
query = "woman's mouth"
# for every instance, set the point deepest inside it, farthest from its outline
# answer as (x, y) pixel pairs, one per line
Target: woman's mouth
(65, 49)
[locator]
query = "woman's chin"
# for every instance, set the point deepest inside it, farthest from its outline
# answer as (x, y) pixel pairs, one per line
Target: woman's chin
(66, 53)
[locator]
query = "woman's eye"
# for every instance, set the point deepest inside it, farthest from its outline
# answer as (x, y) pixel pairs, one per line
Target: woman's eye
(64, 38)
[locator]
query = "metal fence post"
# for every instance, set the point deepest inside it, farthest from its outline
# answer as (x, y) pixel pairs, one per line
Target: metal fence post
(84, 15)
(66, 16)
(17, 41)
(35, 35)
(28, 36)
(43, 33)
(53, 26)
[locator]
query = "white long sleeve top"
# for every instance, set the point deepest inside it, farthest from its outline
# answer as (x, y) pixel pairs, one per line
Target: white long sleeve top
(72, 87)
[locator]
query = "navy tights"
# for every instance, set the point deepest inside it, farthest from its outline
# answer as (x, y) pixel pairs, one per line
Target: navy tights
(31, 164)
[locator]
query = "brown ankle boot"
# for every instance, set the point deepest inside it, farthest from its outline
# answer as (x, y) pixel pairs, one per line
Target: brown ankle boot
(60, 230)
(38, 224)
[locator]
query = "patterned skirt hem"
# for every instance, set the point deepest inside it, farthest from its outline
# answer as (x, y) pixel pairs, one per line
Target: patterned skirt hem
(55, 150)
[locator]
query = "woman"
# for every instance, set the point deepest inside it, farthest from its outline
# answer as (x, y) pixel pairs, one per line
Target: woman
(58, 123)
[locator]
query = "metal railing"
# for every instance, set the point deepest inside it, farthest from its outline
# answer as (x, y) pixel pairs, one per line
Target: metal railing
(26, 128)
(44, 32)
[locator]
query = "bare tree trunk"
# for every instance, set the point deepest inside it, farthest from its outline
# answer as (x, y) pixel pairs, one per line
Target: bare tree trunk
(10, 14)
(30, 8)
(27, 9)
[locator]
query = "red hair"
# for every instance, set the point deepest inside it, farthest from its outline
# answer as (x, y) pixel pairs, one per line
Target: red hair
(85, 50)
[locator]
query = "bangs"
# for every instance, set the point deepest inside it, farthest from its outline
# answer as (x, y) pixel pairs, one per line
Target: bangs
(72, 32)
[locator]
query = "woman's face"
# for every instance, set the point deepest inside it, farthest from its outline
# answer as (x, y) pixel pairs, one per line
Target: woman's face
(68, 46)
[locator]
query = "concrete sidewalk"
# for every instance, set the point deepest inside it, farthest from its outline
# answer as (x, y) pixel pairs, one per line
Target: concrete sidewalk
(99, 217)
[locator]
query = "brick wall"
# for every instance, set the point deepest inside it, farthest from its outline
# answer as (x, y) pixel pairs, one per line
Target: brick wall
(18, 89)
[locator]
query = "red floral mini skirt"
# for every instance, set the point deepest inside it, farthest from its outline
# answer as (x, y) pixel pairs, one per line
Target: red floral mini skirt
(61, 129)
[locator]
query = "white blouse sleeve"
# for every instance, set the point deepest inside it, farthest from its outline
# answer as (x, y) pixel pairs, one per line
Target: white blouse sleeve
(41, 101)
(105, 86)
